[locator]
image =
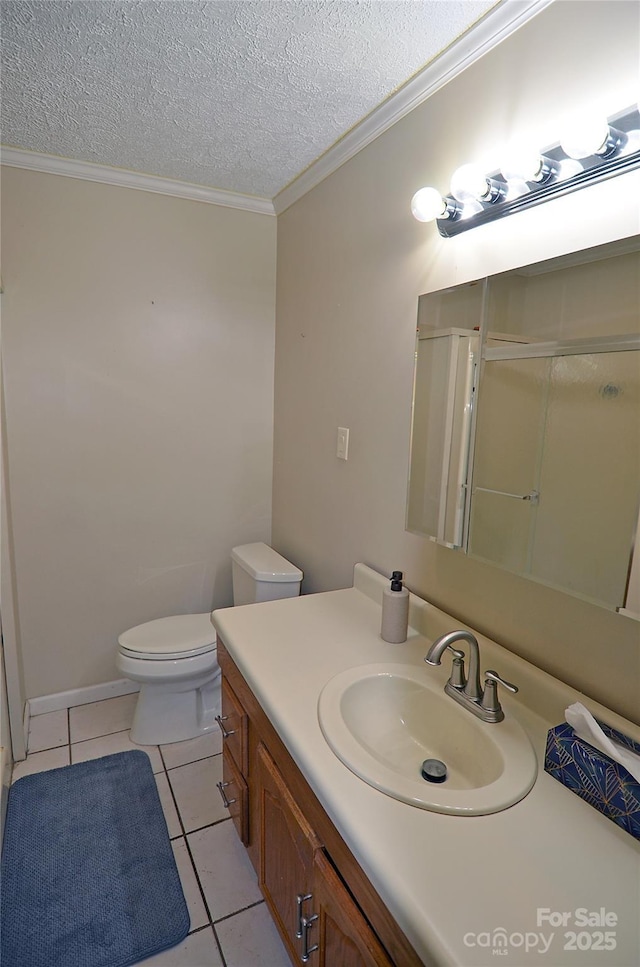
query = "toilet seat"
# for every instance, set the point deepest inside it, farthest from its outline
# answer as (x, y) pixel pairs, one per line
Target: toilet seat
(173, 638)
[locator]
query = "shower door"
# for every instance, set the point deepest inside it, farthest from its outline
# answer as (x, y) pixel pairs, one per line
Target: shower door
(541, 410)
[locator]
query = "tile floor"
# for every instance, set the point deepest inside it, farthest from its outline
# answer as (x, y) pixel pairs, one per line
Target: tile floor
(230, 924)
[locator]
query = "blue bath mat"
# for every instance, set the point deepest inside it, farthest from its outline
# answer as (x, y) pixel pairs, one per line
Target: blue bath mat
(88, 873)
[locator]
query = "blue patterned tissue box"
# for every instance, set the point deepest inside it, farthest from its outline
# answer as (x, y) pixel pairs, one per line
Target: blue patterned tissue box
(595, 777)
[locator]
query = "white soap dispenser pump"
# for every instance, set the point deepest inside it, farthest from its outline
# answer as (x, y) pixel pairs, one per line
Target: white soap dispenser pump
(395, 610)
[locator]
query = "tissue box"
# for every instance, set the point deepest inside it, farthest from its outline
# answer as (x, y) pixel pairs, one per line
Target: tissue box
(593, 776)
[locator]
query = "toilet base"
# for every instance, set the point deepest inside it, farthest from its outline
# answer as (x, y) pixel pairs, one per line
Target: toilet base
(164, 714)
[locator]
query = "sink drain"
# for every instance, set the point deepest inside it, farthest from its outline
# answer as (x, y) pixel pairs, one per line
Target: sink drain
(433, 770)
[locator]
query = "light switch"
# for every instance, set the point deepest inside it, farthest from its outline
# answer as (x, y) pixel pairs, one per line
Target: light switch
(342, 450)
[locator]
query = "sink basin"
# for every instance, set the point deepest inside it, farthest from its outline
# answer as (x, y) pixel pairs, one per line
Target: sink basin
(384, 720)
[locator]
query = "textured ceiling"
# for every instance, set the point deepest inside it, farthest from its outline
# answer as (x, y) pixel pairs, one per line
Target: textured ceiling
(241, 96)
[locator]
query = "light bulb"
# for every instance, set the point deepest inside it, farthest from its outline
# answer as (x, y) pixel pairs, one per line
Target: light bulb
(585, 137)
(469, 182)
(569, 169)
(428, 204)
(516, 187)
(470, 208)
(522, 163)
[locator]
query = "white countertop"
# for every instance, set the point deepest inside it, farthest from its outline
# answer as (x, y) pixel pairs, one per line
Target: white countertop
(456, 885)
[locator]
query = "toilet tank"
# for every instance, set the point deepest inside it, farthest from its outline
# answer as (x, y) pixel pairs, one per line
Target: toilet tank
(261, 574)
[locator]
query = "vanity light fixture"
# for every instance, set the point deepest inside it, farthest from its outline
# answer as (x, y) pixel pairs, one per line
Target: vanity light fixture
(591, 150)
(469, 183)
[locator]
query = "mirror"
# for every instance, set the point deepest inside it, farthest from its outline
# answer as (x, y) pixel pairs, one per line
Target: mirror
(525, 446)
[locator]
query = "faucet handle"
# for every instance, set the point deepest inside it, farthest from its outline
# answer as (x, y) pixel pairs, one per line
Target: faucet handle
(490, 701)
(458, 677)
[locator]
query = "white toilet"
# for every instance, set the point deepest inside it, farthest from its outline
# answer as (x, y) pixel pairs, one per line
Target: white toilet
(175, 660)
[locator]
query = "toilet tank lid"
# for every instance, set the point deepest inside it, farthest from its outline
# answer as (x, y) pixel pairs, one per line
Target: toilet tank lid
(264, 564)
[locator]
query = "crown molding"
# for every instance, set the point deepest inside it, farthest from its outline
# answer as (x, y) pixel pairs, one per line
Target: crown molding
(498, 24)
(103, 174)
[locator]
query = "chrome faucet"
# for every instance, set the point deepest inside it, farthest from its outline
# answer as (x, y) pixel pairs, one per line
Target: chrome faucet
(467, 691)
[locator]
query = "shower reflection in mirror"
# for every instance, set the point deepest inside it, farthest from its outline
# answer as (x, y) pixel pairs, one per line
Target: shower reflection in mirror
(526, 422)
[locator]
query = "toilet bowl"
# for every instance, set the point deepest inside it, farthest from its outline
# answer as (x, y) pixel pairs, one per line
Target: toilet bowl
(175, 661)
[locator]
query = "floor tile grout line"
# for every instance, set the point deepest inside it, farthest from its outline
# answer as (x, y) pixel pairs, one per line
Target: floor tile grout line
(69, 742)
(94, 738)
(175, 803)
(200, 829)
(186, 841)
(164, 764)
(103, 735)
(99, 701)
(219, 945)
(216, 822)
(50, 748)
(229, 916)
(202, 894)
(205, 926)
(192, 762)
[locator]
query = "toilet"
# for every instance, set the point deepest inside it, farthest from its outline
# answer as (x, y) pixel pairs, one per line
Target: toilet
(174, 659)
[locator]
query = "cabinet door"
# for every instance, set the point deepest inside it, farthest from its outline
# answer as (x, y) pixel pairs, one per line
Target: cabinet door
(342, 934)
(287, 847)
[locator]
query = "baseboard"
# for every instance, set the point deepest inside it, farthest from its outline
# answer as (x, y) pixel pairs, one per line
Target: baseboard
(79, 696)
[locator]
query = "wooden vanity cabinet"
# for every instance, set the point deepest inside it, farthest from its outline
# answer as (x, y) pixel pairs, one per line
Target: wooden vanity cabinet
(326, 911)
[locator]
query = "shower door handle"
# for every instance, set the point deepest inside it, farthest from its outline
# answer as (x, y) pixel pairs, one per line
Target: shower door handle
(533, 496)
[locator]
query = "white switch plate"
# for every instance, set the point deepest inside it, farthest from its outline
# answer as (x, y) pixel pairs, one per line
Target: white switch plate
(342, 449)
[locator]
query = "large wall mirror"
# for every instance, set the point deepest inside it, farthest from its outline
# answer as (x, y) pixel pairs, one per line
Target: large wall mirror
(525, 445)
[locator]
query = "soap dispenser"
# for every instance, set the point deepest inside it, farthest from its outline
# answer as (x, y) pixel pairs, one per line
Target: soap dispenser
(395, 610)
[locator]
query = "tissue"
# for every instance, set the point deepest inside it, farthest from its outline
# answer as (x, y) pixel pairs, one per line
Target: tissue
(597, 776)
(586, 728)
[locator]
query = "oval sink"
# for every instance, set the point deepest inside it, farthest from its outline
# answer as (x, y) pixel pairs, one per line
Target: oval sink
(384, 720)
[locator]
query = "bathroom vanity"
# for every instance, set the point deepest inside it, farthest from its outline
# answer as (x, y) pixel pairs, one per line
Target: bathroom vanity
(353, 876)
(317, 893)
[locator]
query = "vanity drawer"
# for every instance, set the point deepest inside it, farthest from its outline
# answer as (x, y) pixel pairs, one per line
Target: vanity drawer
(235, 795)
(234, 727)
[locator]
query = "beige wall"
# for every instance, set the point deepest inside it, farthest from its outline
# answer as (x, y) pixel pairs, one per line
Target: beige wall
(138, 341)
(351, 265)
